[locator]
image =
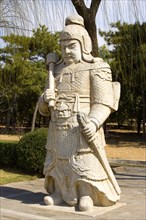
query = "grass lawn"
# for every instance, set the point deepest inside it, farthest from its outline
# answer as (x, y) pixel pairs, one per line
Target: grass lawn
(9, 175)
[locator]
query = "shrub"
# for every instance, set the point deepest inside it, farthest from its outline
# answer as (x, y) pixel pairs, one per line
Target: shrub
(31, 151)
(8, 153)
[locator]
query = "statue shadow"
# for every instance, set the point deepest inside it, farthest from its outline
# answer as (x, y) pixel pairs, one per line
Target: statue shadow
(22, 195)
(27, 197)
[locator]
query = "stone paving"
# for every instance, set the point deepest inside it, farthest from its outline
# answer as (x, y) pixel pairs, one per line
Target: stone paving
(24, 200)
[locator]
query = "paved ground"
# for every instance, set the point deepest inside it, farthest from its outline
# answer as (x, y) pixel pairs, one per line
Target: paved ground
(24, 200)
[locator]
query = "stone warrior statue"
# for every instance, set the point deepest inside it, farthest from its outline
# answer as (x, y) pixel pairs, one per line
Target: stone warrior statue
(78, 98)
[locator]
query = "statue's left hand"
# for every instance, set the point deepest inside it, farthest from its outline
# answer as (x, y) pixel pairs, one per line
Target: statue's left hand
(89, 130)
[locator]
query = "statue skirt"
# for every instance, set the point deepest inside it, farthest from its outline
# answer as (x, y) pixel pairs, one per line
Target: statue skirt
(70, 163)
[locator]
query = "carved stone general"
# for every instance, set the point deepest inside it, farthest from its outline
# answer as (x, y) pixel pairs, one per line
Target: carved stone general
(78, 98)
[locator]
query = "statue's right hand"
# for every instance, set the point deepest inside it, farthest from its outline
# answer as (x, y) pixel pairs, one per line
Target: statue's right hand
(49, 94)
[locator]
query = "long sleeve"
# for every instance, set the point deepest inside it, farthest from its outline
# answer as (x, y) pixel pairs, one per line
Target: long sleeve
(101, 94)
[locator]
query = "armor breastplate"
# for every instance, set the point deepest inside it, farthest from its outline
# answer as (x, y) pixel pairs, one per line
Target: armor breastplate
(72, 95)
(73, 81)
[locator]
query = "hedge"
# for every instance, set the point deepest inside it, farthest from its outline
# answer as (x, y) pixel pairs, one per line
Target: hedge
(8, 153)
(31, 151)
(28, 154)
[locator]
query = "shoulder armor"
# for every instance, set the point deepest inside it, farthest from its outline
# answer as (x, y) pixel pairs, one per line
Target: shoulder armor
(101, 83)
(99, 62)
(101, 69)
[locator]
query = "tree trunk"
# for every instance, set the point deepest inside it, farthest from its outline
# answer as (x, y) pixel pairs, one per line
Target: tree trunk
(8, 119)
(90, 26)
(144, 112)
(138, 126)
(89, 15)
(34, 117)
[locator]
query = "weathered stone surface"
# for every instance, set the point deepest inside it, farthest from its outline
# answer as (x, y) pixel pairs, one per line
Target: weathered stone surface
(78, 98)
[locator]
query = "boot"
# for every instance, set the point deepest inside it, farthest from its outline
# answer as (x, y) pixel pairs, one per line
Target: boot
(53, 199)
(85, 204)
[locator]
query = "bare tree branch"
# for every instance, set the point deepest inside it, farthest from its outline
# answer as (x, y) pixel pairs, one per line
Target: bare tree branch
(94, 7)
(80, 7)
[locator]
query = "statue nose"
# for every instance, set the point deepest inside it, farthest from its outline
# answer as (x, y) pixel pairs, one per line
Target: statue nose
(67, 50)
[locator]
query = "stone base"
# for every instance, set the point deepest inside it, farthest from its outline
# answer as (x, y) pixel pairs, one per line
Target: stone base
(96, 211)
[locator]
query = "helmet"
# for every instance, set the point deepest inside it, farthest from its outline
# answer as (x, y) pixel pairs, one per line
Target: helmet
(74, 30)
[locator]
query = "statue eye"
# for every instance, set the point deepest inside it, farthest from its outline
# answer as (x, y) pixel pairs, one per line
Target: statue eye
(72, 46)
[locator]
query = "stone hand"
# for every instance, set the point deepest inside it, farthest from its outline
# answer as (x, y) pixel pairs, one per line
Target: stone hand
(89, 130)
(49, 94)
(87, 126)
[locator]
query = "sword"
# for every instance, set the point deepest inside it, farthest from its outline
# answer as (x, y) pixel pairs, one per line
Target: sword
(83, 119)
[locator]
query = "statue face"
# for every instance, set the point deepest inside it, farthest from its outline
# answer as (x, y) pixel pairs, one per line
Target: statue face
(71, 51)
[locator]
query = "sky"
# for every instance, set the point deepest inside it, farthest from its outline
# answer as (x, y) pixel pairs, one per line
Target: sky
(52, 13)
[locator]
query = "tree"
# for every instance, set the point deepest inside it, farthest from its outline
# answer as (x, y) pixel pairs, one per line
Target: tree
(13, 15)
(129, 67)
(23, 76)
(89, 15)
(21, 84)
